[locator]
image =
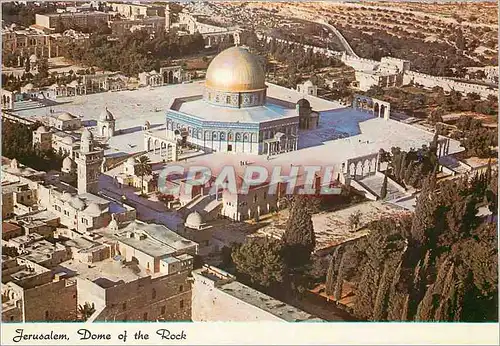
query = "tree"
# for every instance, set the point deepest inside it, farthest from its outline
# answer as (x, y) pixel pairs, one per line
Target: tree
(383, 190)
(261, 260)
(436, 115)
(143, 168)
(86, 310)
(9, 251)
(27, 65)
(299, 238)
(355, 219)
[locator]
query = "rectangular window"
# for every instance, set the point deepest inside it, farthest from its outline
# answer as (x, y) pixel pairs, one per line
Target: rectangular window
(145, 316)
(124, 306)
(181, 288)
(181, 304)
(163, 309)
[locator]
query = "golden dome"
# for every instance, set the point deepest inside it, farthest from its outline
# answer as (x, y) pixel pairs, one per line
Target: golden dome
(235, 70)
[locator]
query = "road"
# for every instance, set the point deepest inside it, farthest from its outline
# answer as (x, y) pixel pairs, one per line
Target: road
(341, 38)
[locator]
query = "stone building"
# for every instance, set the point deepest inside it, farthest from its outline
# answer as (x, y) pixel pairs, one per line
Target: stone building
(31, 293)
(233, 115)
(151, 25)
(89, 160)
(218, 297)
(106, 124)
(166, 75)
(143, 276)
(65, 121)
(11, 230)
(129, 177)
(23, 43)
(18, 198)
(73, 88)
(66, 20)
(35, 248)
(42, 138)
(137, 11)
(307, 88)
(308, 119)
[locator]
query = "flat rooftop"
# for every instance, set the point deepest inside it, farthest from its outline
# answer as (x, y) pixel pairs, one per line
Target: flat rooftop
(273, 306)
(107, 273)
(229, 285)
(203, 110)
(159, 240)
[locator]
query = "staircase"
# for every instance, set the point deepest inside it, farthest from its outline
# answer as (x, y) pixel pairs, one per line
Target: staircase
(28, 104)
(206, 205)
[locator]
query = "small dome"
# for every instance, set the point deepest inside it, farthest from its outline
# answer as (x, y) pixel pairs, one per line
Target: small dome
(308, 83)
(113, 225)
(68, 140)
(67, 163)
(29, 86)
(93, 209)
(78, 203)
(33, 58)
(194, 220)
(303, 103)
(87, 135)
(147, 124)
(106, 115)
(66, 116)
(42, 129)
(66, 196)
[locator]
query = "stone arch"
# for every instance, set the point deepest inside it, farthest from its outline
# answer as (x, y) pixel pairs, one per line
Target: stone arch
(376, 109)
(366, 167)
(237, 137)
(253, 138)
(374, 165)
(383, 108)
(104, 130)
(352, 169)
(359, 168)
(230, 136)
(215, 135)
(222, 136)
(156, 145)
(148, 144)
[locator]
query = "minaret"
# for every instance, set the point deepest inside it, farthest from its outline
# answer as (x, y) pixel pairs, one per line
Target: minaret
(89, 161)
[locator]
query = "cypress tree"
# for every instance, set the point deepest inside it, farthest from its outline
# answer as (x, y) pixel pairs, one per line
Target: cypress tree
(299, 239)
(383, 190)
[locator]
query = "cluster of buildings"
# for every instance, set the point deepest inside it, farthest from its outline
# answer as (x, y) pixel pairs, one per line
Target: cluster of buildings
(76, 243)
(75, 247)
(390, 72)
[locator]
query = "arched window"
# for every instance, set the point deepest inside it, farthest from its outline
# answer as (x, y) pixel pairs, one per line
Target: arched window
(153, 294)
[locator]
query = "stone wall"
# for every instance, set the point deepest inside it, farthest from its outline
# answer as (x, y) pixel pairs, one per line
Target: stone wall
(55, 301)
(447, 84)
(210, 304)
(166, 297)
